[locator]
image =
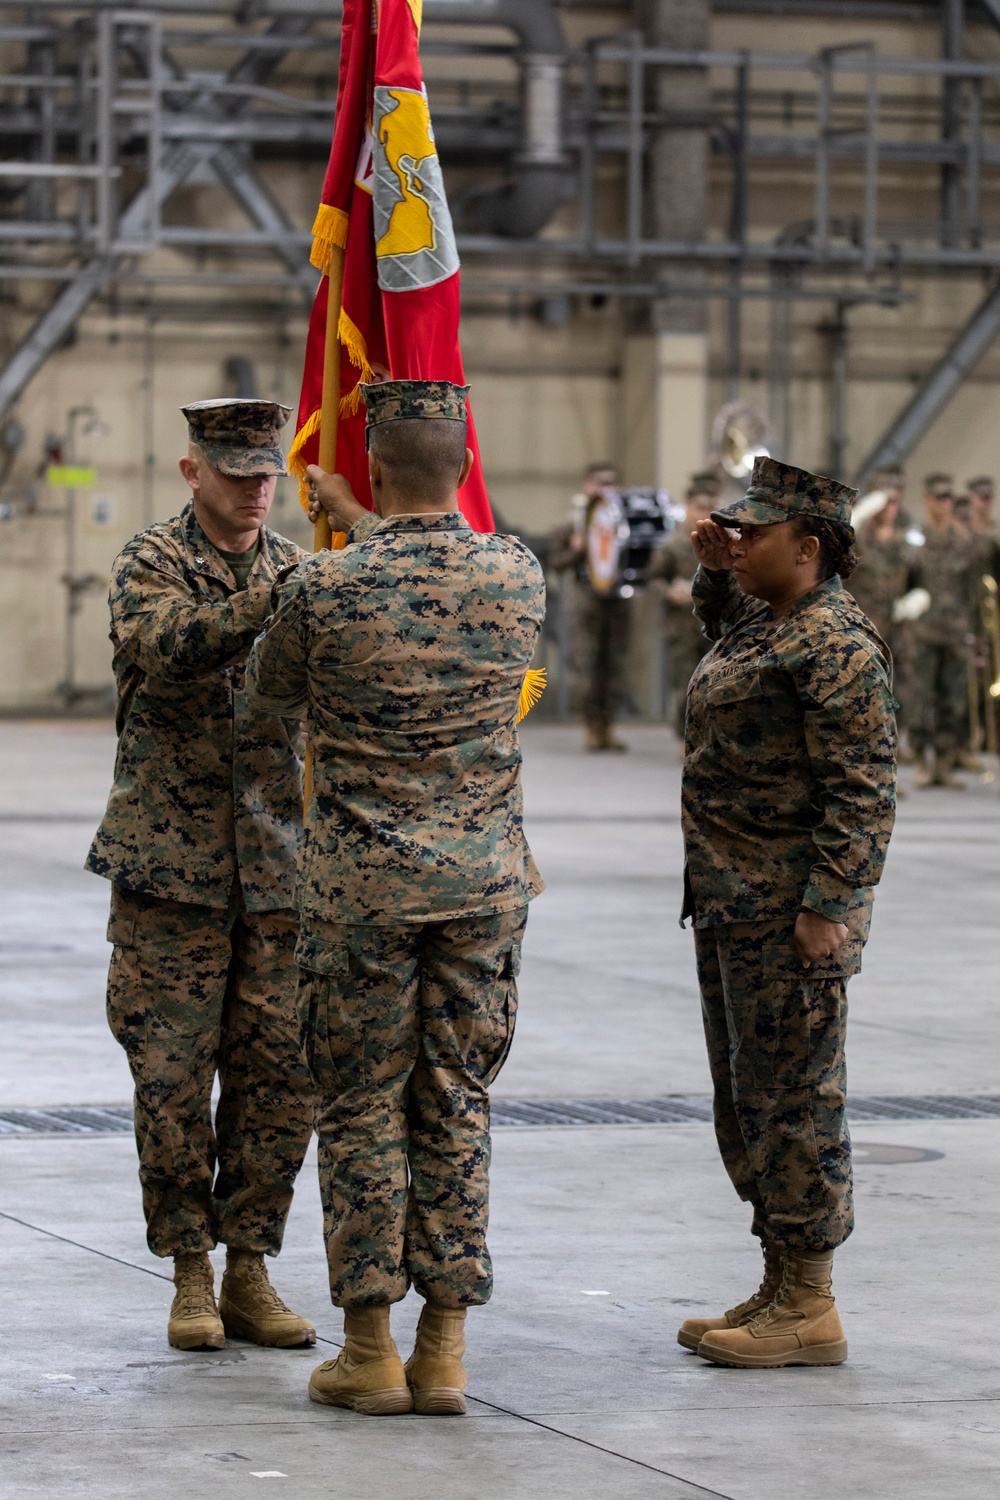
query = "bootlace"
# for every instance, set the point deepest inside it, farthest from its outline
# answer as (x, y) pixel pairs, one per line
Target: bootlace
(770, 1282)
(195, 1293)
(255, 1272)
(778, 1302)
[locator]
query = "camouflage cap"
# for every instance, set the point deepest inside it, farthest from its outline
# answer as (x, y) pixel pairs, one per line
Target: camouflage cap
(239, 436)
(414, 400)
(778, 492)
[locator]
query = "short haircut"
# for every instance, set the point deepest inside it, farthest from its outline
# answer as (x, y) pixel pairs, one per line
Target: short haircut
(936, 481)
(600, 468)
(894, 471)
(422, 456)
(982, 485)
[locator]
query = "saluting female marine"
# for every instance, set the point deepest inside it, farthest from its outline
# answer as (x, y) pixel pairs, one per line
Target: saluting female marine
(788, 804)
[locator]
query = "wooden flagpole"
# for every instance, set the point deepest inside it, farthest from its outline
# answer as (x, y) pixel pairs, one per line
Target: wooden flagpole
(323, 537)
(330, 404)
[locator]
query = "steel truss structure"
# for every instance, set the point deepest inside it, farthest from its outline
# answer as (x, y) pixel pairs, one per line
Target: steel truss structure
(101, 121)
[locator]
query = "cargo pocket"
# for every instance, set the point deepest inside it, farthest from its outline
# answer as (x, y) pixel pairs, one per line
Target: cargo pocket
(800, 1016)
(332, 1035)
(491, 1052)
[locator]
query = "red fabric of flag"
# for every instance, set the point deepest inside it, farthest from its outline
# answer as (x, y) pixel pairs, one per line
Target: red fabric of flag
(384, 202)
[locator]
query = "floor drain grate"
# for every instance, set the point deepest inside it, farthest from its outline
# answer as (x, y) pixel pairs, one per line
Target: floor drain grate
(680, 1109)
(673, 1109)
(68, 1119)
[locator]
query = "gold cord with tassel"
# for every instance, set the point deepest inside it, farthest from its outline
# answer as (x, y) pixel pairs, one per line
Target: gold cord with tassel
(329, 231)
(532, 689)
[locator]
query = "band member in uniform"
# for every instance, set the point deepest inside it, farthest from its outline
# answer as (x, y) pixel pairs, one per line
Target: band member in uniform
(674, 566)
(945, 567)
(788, 803)
(602, 622)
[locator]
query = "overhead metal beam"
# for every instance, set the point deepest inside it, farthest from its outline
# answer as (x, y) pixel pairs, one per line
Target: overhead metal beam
(55, 324)
(178, 164)
(900, 439)
(236, 173)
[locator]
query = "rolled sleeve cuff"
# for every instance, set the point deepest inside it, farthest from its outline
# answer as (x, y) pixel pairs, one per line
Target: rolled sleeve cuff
(828, 896)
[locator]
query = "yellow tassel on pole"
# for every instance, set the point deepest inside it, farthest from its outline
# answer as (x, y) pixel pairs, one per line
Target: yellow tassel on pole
(532, 689)
(296, 461)
(329, 232)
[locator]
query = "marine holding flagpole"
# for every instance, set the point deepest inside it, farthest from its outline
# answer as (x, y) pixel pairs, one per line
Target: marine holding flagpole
(408, 650)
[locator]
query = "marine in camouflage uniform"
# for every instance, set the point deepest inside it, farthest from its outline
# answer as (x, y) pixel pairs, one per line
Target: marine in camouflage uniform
(884, 573)
(788, 804)
(602, 622)
(946, 568)
(675, 564)
(409, 649)
(200, 840)
(986, 565)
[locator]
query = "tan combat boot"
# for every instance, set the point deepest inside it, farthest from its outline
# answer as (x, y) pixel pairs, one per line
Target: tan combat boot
(194, 1321)
(691, 1332)
(434, 1369)
(251, 1309)
(800, 1327)
(368, 1375)
(611, 740)
(593, 737)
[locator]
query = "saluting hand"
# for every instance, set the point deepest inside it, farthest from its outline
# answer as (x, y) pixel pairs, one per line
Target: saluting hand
(817, 937)
(333, 494)
(712, 544)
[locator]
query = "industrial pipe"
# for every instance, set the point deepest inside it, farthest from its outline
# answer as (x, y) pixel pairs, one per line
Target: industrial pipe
(521, 208)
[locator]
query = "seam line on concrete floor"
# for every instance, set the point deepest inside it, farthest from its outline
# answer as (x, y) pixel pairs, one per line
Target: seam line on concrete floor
(506, 1411)
(89, 1120)
(597, 1447)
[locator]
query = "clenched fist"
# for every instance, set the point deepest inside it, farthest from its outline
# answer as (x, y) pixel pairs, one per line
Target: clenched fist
(333, 494)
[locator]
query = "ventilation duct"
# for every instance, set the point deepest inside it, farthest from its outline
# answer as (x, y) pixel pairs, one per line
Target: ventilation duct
(521, 208)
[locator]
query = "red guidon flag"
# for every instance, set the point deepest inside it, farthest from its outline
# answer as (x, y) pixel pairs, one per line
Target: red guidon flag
(384, 204)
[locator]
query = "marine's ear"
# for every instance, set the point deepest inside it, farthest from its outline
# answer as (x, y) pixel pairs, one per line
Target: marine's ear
(188, 466)
(808, 549)
(466, 468)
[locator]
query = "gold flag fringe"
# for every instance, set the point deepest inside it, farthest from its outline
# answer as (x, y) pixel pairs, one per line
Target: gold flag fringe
(329, 229)
(532, 689)
(353, 341)
(296, 460)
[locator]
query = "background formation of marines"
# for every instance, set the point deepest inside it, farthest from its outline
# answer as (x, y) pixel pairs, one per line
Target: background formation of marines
(923, 578)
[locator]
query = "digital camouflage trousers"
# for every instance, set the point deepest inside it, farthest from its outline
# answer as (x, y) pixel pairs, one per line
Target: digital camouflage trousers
(194, 991)
(775, 1034)
(405, 1028)
(940, 696)
(603, 628)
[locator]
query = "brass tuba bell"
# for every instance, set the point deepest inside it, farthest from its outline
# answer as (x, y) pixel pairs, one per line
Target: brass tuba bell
(739, 435)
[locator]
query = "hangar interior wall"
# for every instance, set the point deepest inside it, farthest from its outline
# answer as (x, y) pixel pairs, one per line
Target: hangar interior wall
(548, 396)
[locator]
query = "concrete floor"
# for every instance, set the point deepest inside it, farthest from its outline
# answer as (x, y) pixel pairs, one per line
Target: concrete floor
(603, 1237)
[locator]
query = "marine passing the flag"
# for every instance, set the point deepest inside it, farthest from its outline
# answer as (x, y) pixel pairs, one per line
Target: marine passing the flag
(383, 238)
